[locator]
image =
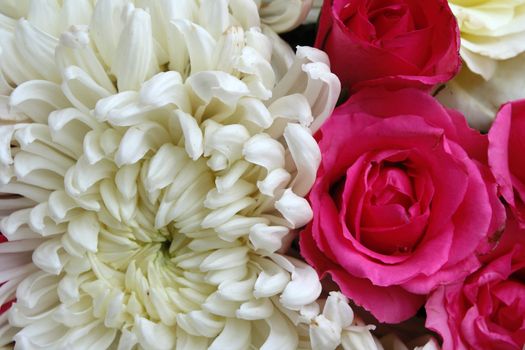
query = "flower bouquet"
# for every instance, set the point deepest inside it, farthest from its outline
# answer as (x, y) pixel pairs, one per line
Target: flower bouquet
(262, 174)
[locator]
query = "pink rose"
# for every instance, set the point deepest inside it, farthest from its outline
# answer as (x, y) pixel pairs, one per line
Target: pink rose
(487, 311)
(506, 155)
(395, 42)
(402, 201)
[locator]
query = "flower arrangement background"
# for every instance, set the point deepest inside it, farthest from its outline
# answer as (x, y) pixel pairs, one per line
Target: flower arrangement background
(181, 174)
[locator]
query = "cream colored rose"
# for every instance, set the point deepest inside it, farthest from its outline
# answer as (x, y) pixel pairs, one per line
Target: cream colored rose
(491, 31)
(478, 99)
(493, 52)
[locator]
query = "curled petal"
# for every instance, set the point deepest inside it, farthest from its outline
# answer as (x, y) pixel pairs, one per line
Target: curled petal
(217, 84)
(271, 281)
(267, 238)
(236, 335)
(163, 89)
(306, 155)
(262, 150)
(282, 335)
(337, 310)
(255, 310)
(284, 15)
(84, 229)
(38, 98)
(358, 338)
(74, 49)
(295, 209)
(324, 334)
(200, 323)
(303, 289)
(155, 336)
(199, 43)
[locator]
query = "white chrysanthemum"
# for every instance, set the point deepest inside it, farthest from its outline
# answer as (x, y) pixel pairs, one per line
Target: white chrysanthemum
(153, 156)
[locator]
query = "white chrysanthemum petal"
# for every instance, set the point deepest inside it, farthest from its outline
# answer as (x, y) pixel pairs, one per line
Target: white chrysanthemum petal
(292, 107)
(215, 14)
(271, 281)
(252, 62)
(282, 335)
(38, 49)
(304, 287)
(216, 199)
(155, 336)
(337, 310)
(322, 92)
(358, 338)
(246, 13)
(160, 172)
(163, 89)
(199, 43)
(306, 155)
(255, 111)
(295, 209)
(218, 305)
(262, 150)
(37, 98)
(237, 290)
(47, 258)
(127, 340)
(229, 47)
(224, 259)
(186, 341)
(236, 335)
(11, 58)
(276, 180)
(258, 309)
(81, 89)
(44, 14)
(217, 84)
(135, 59)
(284, 15)
(238, 226)
(15, 8)
(76, 12)
(106, 26)
(83, 229)
(325, 335)
(267, 238)
(193, 138)
(200, 323)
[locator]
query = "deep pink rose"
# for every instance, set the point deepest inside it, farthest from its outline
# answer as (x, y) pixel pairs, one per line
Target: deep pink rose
(402, 202)
(487, 311)
(395, 42)
(507, 155)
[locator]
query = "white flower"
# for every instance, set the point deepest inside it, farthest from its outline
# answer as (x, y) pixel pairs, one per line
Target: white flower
(492, 48)
(153, 159)
(392, 342)
(491, 30)
(315, 11)
(335, 327)
(284, 15)
(479, 100)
